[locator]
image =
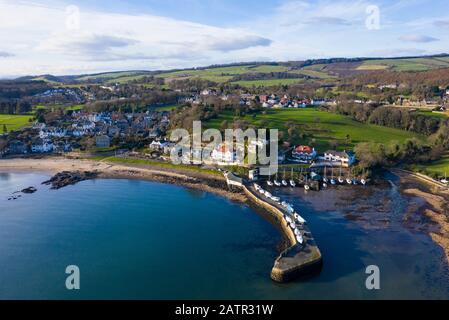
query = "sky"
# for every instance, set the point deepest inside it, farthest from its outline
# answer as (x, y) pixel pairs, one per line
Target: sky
(63, 37)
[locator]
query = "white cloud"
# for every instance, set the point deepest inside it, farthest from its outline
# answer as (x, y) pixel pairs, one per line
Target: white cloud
(417, 38)
(4, 54)
(126, 41)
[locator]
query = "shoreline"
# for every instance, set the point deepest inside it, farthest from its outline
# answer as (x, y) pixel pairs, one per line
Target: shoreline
(106, 170)
(435, 208)
(286, 266)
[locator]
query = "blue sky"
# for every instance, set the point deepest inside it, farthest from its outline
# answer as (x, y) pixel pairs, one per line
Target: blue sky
(80, 36)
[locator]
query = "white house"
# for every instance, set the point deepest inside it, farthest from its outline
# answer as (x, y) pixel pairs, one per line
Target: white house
(221, 155)
(42, 146)
(345, 159)
(158, 145)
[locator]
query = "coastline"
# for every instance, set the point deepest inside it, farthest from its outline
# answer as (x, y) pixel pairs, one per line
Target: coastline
(435, 207)
(106, 170)
(292, 261)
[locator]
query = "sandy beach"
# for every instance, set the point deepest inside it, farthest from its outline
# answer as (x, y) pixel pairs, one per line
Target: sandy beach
(105, 170)
(435, 207)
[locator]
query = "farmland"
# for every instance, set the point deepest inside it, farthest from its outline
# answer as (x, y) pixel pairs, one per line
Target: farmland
(415, 64)
(322, 127)
(438, 168)
(13, 122)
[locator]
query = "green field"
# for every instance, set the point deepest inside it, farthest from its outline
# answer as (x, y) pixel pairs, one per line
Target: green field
(75, 107)
(438, 168)
(414, 64)
(438, 115)
(13, 122)
(325, 127)
(167, 108)
(267, 83)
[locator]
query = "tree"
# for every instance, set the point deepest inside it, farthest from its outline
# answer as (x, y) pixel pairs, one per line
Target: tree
(5, 129)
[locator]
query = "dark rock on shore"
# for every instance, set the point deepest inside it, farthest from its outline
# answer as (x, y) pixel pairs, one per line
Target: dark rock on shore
(29, 190)
(66, 178)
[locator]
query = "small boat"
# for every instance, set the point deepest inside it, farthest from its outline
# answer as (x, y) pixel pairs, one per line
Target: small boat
(269, 183)
(363, 182)
(300, 239)
(284, 204)
(293, 225)
(288, 219)
(297, 232)
(299, 219)
(292, 181)
(325, 179)
(348, 181)
(257, 187)
(275, 199)
(277, 183)
(355, 182)
(284, 182)
(262, 191)
(306, 185)
(324, 185)
(340, 178)
(268, 195)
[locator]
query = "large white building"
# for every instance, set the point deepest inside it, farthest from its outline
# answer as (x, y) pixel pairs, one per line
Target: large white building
(344, 159)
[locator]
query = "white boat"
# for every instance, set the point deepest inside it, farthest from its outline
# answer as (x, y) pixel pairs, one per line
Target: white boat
(348, 181)
(269, 183)
(324, 185)
(297, 232)
(341, 180)
(275, 199)
(257, 187)
(292, 183)
(277, 183)
(300, 239)
(306, 187)
(299, 219)
(284, 183)
(268, 195)
(293, 225)
(284, 204)
(363, 181)
(288, 219)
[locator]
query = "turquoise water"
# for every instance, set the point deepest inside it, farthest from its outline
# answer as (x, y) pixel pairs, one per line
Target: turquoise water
(143, 240)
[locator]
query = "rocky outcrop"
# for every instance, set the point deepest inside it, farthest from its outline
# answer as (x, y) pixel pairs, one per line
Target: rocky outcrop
(66, 178)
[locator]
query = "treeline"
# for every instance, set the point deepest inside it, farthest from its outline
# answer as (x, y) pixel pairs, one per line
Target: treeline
(136, 103)
(267, 76)
(389, 117)
(15, 107)
(371, 155)
(19, 89)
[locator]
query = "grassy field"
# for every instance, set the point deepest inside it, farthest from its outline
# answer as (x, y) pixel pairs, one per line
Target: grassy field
(267, 83)
(416, 64)
(438, 168)
(325, 127)
(13, 122)
(75, 107)
(167, 108)
(438, 115)
(160, 164)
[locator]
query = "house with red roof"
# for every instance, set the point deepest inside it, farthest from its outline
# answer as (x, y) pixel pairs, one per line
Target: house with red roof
(305, 154)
